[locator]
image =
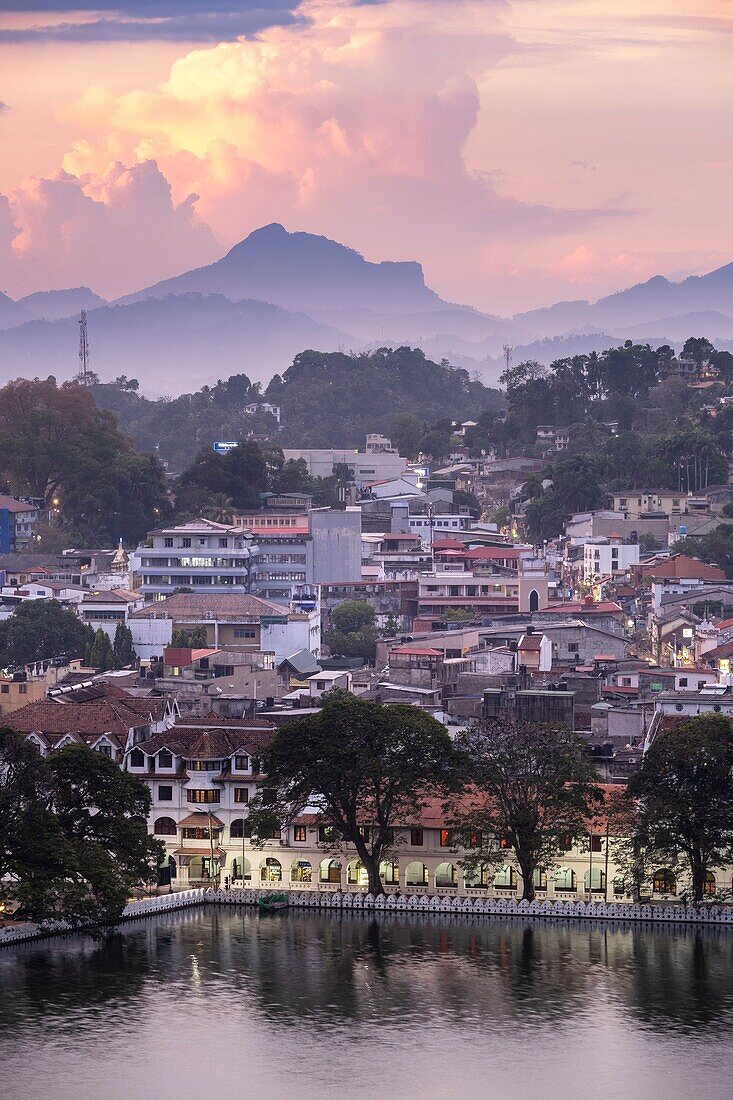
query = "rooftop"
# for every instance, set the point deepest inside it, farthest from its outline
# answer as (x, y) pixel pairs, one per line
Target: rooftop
(199, 606)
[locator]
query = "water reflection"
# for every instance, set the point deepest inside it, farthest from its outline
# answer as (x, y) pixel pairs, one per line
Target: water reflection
(234, 977)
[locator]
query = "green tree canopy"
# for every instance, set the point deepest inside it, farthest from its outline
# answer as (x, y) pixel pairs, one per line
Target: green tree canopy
(367, 768)
(352, 615)
(74, 842)
(40, 629)
(532, 790)
(101, 654)
(684, 795)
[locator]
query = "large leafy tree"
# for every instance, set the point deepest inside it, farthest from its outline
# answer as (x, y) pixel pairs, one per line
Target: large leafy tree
(683, 793)
(39, 629)
(366, 768)
(56, 444)
(531, 790)
(74, 841)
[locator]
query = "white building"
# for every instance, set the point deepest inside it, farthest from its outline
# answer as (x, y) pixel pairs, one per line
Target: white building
(604, 557)
(206, 556)
(364, 466)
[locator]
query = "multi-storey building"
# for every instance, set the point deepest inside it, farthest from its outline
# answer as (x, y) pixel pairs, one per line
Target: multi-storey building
(298, 550)
(236, 621)
(18, 519)
(206, 556)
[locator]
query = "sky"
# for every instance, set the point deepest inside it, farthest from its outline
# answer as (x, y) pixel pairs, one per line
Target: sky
(524, 151)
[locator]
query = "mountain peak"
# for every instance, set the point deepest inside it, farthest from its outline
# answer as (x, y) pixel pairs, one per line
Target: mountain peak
(304, 271)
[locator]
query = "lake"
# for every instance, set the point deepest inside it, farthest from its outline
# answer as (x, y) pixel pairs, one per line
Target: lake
(216, 1003)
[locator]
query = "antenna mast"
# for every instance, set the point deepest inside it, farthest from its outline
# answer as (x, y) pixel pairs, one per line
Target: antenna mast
(83, 349)
(508, 349)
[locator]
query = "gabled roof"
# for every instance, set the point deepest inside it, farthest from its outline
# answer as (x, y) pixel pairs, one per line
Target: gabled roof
(303, 663)
(211, 743)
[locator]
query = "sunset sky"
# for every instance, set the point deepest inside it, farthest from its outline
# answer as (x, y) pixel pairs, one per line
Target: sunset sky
(524, 151)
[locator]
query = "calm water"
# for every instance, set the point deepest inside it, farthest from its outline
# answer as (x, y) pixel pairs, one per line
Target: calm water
(217, 1004)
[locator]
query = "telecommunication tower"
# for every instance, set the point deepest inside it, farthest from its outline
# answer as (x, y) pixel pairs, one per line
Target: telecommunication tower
(83, 349)
(508, 349)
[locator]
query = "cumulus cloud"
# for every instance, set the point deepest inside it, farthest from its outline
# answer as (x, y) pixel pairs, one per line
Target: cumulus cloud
(353, 123)
(66, 231)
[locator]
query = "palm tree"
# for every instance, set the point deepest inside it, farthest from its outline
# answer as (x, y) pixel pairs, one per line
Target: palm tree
(220, 508)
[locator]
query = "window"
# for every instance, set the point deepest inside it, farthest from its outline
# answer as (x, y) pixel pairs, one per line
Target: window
(300, 833)
(168, 543)
(240, 828)
(137, 759)
(165, 759)
(22, 689)
(241, 763)
(104, 750)
(245, 632)
(205, 765)
(165, 794)
(596, 843)
(200, 832)
(664, 882)
(683, 681)
(566, 843)
(205, 796)
(364, 832)
(222, 544)
(573, 647)
(476, 840)
(241, 794)
(186, 544)
(416, 838)
(326, 834)
(6, 689)
(446, 838)
(164, 826)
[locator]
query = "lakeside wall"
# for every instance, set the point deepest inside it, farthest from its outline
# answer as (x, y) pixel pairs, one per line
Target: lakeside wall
(711, 915)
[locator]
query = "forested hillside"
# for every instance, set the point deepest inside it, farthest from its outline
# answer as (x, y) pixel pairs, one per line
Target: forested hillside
(327, 400)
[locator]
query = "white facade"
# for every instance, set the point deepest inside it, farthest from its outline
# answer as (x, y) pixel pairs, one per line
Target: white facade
(604, 557)
(206, 556)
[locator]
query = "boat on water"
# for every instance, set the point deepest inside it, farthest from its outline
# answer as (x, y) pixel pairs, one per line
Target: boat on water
(272, 903)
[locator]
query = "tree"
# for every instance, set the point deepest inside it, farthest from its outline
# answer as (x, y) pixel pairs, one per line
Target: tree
(190, 639)
(532, 790)
(40, 629)
(101, 654)
(74, 842)
(647, 542)
(406, 431)
(715, 548)
(353, 634)
(366, 768)
(699, 349)
(124, 652)
(545, 518)
(684, 792)
(352, 615)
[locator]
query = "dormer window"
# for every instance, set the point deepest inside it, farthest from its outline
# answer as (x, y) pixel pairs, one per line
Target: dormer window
(105, 750)
(137, 759)
(241, 763)
(165, 759)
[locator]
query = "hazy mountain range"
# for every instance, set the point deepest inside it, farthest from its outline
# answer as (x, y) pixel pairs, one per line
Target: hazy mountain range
(277, 293)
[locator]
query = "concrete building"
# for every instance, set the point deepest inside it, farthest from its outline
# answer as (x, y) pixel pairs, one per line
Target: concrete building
(108, 609)
(206, 556)
(608, 557)
(297, 550)
(18, 519)
(231, 621)
(364, 466)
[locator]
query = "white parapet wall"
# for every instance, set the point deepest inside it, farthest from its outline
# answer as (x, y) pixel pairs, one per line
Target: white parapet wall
(399, 903)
